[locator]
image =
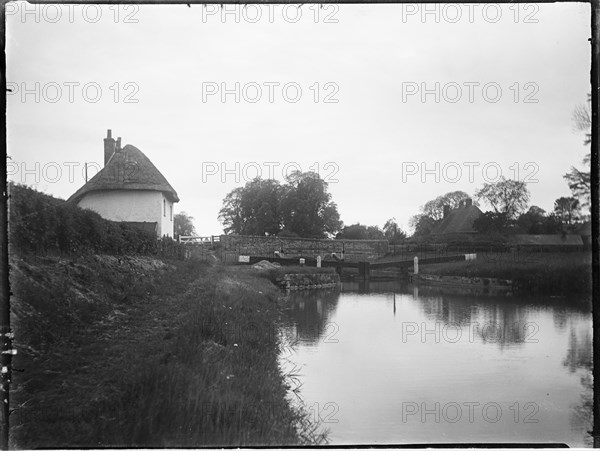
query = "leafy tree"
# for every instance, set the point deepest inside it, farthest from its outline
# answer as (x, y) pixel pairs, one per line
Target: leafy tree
(454, 198)
(421, 224)
(551, 224)
(579, 181)
(433, 211)
(491, 222)
(301, 207)
(435, 208)
(536, 211)
(392, 232)
(359, 231)
(253, 209)
(262, 207)
(507, 197)
(307, 208)
(566, 209)
(353, 232)
(532, 221)
(183, 225)
(375, 233)
(231, 214)
(535, 221)
(579, 184)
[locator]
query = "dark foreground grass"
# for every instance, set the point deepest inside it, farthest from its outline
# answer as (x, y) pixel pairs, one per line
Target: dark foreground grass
(545, 272)
(192, 363)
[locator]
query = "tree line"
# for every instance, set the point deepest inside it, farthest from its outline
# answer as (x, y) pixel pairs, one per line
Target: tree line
(300, 207)
(303, 207)
(509, 200)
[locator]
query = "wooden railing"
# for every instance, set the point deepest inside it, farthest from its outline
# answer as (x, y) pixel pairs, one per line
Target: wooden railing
(200, 239)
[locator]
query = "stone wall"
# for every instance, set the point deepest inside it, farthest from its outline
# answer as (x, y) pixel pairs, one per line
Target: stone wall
(265, 246)
(308, 281)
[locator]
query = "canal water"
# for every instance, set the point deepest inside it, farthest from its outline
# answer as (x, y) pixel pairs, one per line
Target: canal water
(392, 364)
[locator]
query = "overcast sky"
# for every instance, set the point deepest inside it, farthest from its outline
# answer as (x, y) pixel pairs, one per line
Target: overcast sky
(346, 85)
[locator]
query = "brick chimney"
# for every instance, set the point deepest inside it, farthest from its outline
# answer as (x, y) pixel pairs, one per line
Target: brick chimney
(118, 147)
(469, 202)
(109, 147)
(446, 210)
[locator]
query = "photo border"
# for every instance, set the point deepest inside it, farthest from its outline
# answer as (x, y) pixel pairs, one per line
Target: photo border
(6, 336)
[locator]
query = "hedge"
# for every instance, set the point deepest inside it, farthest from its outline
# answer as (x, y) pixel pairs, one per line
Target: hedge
(41, 224)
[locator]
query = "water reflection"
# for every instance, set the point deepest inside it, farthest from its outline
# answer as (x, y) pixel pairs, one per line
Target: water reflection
(513, 351)
(308, 314)
(581, 416)
(561, 318)
(579, 361)
(496, 321)
(579, 354)
(505, 321)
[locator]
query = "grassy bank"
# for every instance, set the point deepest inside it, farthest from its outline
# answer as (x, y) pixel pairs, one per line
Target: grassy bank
(547, 273)
(184, 357)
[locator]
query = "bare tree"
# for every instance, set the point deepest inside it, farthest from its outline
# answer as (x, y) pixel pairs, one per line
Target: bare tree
(579, 181)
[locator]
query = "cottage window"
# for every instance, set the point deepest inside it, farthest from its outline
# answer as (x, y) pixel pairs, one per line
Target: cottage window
(171, 212)
(164, 208)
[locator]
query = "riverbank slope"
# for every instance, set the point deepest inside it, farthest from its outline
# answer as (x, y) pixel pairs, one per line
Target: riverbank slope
(139, 352)
(544, 273)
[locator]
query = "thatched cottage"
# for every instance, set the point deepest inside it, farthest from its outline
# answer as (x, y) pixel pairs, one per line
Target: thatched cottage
(458, 220)
(129, 188)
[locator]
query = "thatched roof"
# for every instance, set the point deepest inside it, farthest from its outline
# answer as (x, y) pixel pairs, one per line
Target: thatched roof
(128, 169)
(458, 220)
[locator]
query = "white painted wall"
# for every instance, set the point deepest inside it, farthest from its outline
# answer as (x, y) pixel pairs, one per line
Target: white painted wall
(167, 208)
(127, 205)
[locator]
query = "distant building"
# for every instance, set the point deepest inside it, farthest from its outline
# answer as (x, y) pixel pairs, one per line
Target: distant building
(458, 220)
(130, 189)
